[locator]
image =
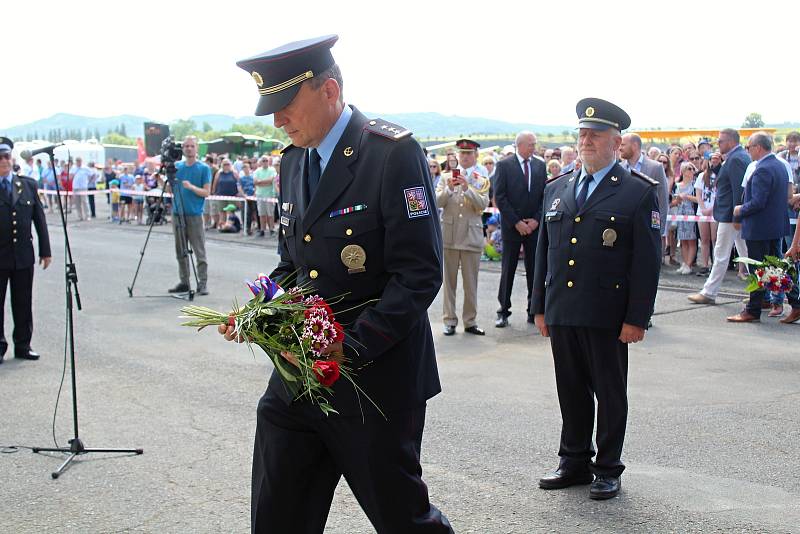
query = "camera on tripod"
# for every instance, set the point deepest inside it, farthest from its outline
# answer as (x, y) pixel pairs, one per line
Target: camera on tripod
(171, 151)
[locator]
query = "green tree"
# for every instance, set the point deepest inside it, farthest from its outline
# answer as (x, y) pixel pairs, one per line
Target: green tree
(182, 127)
(753, 120)
(122, 131)
(113, 138)
(207, 127)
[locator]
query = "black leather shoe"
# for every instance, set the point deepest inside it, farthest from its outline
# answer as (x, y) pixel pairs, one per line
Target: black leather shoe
(604, 487)
(449, 330)
(202, 290)
(501, 322)
(563, 478)
(27, 355)
(180, 288)
(530, 319)
(475, 329)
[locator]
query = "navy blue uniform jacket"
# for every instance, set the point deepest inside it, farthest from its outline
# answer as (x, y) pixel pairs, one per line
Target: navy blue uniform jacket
(389, 341)
(598, 267)
(16, 216)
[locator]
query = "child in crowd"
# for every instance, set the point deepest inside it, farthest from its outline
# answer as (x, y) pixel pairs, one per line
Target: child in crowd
(232, 224)
(493, 247)
(114, 186)
(685, 201)
(138, 200)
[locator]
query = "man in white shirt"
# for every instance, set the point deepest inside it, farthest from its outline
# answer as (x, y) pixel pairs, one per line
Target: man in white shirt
(80, 185)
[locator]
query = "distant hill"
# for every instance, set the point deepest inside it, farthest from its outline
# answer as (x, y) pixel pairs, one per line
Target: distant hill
(422, 124)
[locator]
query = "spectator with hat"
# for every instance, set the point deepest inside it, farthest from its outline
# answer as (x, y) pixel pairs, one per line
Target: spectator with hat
(232, 223)
(463, 194)
(20, 208)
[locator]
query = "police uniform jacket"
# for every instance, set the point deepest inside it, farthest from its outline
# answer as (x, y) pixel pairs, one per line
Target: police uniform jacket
(602, 262)
(16, 216)
(379, 171)
(462, 225)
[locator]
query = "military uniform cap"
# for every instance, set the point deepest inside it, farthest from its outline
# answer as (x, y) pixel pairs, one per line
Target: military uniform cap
(279, 72)
(466, 145)
(6, 145)
(599, 114)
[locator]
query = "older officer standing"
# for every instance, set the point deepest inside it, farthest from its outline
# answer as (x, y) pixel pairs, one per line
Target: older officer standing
(462, 195)
(357, 220)
(19, 207)
(594, 288)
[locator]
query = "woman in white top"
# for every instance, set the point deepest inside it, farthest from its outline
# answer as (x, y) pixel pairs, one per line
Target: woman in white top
(705, 193)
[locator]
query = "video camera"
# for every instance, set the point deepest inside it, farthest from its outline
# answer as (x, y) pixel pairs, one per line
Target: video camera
(171, 151)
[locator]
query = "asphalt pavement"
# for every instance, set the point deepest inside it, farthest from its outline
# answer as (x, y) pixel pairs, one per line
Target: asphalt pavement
(710, 447)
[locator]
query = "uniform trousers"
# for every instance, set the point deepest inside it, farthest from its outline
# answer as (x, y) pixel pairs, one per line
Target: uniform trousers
(300, 455)
(509, 269)
(727, 235)
(21, 281)
(469, 262)
(589, 363)
(194, 234)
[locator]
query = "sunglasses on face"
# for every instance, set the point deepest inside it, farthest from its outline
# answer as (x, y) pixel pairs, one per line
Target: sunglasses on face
(5, 155)
(695, 158)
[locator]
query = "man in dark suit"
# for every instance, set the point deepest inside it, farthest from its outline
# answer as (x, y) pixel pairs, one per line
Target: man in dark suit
(358, 218)
(729, 194)
(763, 216)
(595, 284)
(19, 208)
(518, 188)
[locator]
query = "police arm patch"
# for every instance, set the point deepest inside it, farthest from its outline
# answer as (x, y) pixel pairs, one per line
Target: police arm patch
(416, 202)
(655, 220)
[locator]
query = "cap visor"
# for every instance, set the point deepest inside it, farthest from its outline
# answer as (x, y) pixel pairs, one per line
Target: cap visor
(269, 104)
(594, 125)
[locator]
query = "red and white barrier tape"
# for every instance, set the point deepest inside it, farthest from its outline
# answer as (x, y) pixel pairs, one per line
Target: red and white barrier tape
(132, 192)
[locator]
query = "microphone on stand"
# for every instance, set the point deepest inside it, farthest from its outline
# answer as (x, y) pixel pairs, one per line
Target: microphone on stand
(28, 154)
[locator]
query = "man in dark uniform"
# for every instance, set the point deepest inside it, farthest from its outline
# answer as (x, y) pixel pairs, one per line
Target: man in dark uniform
(594, 286)
(357, 218)
(19, 207)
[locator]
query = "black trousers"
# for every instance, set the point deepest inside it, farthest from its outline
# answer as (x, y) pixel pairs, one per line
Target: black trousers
(91, 202)
(21, 281)
(300, 455)
(510, 261)
(589, 363)
(757, 249)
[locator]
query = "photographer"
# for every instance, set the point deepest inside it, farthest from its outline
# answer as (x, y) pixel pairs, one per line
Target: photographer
(192, 185)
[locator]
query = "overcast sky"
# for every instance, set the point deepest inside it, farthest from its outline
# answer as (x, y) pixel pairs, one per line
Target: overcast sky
(669, 64)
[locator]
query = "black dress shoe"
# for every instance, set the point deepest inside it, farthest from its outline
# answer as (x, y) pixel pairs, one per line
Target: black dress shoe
(530, 319)
(449, 330)
(180, 288)
(202, 290)
(501, 322)
(604, 487)
(563, 478)
(475, 329)
(27, 355)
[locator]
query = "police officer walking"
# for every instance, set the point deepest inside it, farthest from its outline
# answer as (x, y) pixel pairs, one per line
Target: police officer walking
(463, 194)
(19, 208)
(357, 220)
(595, 283)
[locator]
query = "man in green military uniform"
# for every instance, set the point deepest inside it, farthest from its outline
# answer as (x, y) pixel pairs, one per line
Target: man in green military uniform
(19, 208)
(595, 283)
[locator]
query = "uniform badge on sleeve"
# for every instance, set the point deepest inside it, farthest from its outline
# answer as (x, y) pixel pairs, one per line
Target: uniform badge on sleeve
(416, 202)
(655, 220)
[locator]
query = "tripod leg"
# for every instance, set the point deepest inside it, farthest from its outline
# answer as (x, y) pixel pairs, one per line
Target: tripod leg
(57, 472)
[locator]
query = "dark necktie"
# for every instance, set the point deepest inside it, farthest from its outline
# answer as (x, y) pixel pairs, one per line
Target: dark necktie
(581, 198)
(528, 175)
(6, 188)
(314, 172)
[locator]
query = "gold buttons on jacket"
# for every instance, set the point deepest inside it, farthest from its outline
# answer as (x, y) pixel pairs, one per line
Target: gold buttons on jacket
(571, 263)
(307, 238)
(613, 218)
(14, 222)
(577, 219)
(573, 240)
(15, 240)
(616, 286)
(349, 231)
(460, 214)
(313, 274)
(570, 284)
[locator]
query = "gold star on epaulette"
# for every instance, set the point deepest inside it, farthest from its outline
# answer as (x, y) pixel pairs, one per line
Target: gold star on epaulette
(644, 177)
(387, 129)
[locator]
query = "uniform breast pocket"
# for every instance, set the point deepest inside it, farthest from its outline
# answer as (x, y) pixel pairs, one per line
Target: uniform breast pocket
(553, 223)
(611, 230)
(447, 229)
(287, 229)
(354, 246)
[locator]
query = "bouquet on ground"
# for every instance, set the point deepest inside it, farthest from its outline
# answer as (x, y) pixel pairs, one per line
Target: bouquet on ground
(772, 274)
(294, 321)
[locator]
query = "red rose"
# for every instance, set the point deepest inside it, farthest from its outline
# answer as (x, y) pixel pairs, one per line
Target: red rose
(232, 321)
(326, 371)
(339, 332)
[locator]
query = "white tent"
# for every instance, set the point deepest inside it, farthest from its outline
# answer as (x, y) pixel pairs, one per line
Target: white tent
(89, 151)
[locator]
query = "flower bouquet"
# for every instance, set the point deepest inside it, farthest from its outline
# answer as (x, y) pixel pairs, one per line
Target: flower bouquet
(772, 274)
(293, 321)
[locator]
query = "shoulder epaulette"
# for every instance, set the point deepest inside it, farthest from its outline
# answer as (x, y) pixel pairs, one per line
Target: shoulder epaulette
(387, 129)
(286, 148)
(644, 177)
(554, 178)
